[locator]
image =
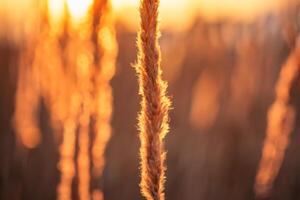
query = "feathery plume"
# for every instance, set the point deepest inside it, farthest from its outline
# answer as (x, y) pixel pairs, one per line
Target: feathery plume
(153, 119)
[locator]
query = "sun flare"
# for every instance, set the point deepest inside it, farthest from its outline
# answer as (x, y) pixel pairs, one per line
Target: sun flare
(56, 8)
(79, 8)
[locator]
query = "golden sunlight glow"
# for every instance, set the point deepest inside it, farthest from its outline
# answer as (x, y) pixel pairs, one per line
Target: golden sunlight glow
(175, 14)
(168, 9)
(79, 8)
(120, 4)
(56, 9)
(56, 12)
(179, 14)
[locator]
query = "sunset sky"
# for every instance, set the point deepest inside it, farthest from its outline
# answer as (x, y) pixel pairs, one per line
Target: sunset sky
(175, 14)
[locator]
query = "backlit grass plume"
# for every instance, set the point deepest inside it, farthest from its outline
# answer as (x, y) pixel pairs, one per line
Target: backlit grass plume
(153, 119)
(281, 119)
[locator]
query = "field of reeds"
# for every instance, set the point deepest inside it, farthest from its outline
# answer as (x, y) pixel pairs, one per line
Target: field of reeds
(95, 105)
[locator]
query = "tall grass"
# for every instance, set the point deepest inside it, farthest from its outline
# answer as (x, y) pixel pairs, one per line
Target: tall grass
(66, 163)
(104, 39)
(27, 103)
(281, 119)
(153, 118)
(70, 66)
(28, 92)
(71, 102)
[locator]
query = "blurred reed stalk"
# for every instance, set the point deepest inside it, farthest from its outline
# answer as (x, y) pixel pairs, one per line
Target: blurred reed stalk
(80, 52)
(105, 53)
(66, 163)
(70, 104)
(153, 118)
(83, 160)
(28, 92)
(27, 103)
(281, 122)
